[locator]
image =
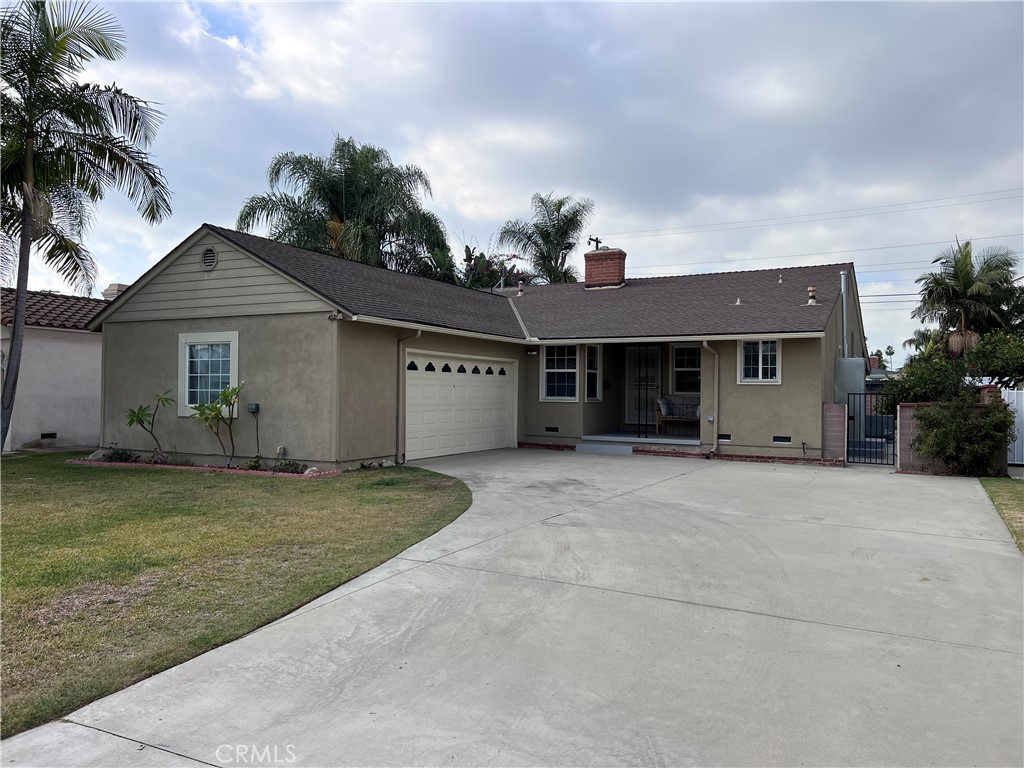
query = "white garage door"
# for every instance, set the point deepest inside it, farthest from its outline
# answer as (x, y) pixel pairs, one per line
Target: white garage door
(457, 405)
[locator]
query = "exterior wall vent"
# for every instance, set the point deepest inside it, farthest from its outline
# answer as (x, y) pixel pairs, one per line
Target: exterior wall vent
(209, 260)
(724, 437)
(782, 439)
(550, 429)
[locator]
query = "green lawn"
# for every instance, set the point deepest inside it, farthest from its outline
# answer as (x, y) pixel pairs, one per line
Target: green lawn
(1008, 496)
(111, 575)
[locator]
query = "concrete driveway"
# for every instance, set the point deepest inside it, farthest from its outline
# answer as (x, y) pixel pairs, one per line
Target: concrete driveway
(601, 610)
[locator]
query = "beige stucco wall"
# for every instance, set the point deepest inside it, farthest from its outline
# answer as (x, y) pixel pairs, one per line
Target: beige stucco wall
(286, 362)
(58, 387)
(372, 379)
(754, 413)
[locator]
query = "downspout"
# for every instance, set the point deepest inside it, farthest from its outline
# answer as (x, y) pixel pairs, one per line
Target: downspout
(400, 396)
(842, 292)
(714, 401)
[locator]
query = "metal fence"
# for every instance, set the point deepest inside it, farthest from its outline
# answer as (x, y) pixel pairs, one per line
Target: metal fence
(871, 428)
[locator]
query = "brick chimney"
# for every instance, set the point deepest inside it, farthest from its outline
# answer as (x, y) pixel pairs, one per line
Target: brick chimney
(606, 268)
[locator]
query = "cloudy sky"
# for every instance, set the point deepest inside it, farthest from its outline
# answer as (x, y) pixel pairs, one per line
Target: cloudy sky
(712, 136)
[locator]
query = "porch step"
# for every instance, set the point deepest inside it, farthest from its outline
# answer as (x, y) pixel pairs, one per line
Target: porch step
(615, 450)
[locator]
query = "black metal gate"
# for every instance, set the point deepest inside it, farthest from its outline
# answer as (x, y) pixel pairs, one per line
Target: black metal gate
(871, 428)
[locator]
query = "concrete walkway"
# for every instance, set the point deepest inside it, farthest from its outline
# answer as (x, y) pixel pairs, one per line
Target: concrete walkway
(601, 610)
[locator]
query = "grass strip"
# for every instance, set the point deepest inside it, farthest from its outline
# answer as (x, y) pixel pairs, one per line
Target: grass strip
(1007, 495)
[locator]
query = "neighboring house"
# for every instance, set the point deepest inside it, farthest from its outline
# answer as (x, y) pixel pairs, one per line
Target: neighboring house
(58, 397)
(349, 362)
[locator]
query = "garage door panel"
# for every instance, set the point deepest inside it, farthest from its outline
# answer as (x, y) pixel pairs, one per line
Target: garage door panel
(458, 411)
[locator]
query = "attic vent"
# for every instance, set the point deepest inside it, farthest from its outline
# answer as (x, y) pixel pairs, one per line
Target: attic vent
(209, 259)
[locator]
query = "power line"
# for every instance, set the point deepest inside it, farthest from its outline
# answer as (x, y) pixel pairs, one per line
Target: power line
(695, 229)
(820, 213)
(823, 253)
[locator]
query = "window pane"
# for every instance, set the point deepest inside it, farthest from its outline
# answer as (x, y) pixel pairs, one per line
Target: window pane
(751, 359)
(769, 360)
(209, 372)
(592, 384)
(687, 381)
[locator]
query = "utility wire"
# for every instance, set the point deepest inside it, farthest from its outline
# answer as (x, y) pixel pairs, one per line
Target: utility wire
(827, 213)
(824, 253)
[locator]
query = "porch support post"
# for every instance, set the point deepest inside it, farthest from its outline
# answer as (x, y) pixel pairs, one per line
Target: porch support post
(714, 401)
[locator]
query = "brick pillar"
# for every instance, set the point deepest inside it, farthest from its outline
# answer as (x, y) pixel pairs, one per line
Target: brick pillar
(833, 438)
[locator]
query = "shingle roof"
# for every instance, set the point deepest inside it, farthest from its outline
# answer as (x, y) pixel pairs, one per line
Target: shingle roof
(688, 305)
(51, 310)
(365, 290)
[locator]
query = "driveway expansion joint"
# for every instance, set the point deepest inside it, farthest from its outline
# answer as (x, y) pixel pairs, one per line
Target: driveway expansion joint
(139, 741)
(747, 611)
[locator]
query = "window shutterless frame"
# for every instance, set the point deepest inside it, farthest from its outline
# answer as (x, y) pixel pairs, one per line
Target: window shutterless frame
(558, 372)
(759, 361)
(207, 365)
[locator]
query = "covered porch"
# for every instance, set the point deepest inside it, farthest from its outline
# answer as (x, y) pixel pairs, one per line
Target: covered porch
(647, 393)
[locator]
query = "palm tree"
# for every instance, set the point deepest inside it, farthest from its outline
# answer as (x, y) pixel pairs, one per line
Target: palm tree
(550, 237)
(967, 294)
(889, 352)
(923, 340)
(63, 144)
(354, 203)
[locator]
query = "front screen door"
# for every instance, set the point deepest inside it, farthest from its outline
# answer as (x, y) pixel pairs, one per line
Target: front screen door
(643, 383)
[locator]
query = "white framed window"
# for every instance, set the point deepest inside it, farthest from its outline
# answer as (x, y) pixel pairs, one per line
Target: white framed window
(593, 392)
(686, 369)
(759, 362)
(559, 373)
(207, 365)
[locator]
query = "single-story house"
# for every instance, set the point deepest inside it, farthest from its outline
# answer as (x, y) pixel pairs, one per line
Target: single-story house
(58, 397)
(347, 362)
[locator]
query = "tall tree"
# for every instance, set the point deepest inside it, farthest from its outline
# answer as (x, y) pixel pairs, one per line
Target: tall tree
(550, 237)
(64, 143)
(354, 203)
(969, 294)
(889, 352)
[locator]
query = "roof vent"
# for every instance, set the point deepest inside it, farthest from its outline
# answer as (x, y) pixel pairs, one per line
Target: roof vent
(738, 302)
(780, 279)
(521, 284)
(209, 260)
(812, 294)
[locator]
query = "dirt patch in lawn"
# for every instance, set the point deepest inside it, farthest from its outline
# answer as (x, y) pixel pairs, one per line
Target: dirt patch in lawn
(93, 596)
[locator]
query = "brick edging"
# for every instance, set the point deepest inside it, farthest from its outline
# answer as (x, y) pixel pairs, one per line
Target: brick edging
(232, 470)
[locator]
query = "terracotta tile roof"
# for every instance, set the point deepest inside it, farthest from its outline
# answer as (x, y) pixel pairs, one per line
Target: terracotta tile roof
(687, 305)
(365, 290)
(51, 310)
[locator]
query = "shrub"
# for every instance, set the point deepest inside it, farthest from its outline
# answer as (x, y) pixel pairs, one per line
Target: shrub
(291, 467)
(969, 438)
(255, 464)
(120, 455)
(930, 379)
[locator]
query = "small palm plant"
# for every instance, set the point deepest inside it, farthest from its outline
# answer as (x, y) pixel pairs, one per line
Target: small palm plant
(221, 413)
(145, 416)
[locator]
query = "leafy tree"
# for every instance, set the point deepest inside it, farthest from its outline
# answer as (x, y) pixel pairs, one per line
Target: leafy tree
(63, 144)
(354, 203)
(929, 379)
(968, 295)
(482, 271)
(548, 240)
(999, 356)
